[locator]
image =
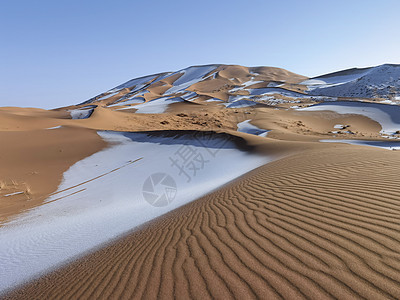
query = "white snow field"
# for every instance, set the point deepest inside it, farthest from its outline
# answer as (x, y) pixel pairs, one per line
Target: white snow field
(190, 76)
(129, 102)
(249, 128)
(81, 113)
(388, 116)
(378, 144)
(156, 106)
(109, 193)
(380, 81)
(244, 85)
(337, 79)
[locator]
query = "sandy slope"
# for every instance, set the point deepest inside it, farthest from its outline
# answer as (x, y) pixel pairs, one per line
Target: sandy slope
(33, 162)
(321, 224)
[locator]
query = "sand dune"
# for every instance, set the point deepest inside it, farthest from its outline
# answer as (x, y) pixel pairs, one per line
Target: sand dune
(103, 196)
(208, 81)
(316, 225)
(318, 220)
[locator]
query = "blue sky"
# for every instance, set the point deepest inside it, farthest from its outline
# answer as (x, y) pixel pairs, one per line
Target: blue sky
(57, 53)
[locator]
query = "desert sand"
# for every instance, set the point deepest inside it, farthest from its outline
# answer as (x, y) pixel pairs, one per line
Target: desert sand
(315, 225)
(33, 158)
(318, 221)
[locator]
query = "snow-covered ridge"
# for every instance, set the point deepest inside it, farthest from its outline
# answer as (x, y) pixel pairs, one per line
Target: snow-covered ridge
(374, 82)
(336, 78)
(180, 84)
(85, 212)
(188, 77)
(377, 82)
(82, 113)
(249, 128)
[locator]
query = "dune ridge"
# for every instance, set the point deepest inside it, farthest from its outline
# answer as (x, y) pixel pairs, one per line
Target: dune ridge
(316, 225)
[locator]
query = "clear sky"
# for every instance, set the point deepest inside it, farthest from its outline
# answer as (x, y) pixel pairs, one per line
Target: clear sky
(60, 52)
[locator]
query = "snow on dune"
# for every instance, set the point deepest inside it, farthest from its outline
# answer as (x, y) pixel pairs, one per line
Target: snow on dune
(137, 100)
(13, 194)
(156, 106)
(81, 113)
(240, 104)
(274, 84)
(134, 84)
(130, 98)
(249, 128)
(339, 126)
(382, 81)
(189, 96)
(244, 85)
(138, 178)
(214, 100)
(190, 76)
(264, 94)
(268, 95)
(280, 91)
(107, 95)
(338, 79)
(388, 116)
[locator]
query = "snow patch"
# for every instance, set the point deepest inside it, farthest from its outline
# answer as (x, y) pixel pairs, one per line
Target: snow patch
(244, 85)
(13, 194)
(249, 128)
(339, 126)
(190, 76)
(129, 102)
(108, 96)
(81, 113)
(156, 106)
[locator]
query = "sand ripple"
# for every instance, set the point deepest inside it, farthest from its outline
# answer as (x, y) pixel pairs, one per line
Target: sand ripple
(318, 225)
